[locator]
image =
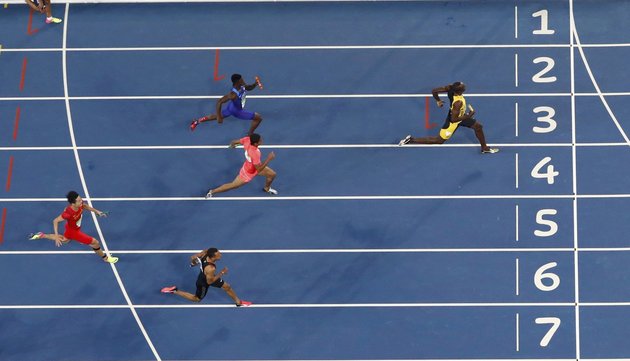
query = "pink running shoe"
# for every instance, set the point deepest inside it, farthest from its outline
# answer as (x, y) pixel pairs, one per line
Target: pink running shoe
(170, 289)
(244, 304)
(53, 20)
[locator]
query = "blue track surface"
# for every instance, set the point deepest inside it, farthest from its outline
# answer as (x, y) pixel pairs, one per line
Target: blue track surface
(371, 251)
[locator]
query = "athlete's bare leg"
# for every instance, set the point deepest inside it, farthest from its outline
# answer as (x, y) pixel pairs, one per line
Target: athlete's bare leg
(255, 123)
(188, 296)
(237, 182)
(427, 140)
(270, 175)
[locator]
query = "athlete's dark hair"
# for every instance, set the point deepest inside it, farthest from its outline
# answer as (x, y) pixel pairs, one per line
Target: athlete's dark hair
(210, 252)
(457, 84)
(235, 78)
(254, 138)
(72, 196)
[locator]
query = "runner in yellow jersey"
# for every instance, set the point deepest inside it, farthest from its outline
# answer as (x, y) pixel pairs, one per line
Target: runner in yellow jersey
(456, 116)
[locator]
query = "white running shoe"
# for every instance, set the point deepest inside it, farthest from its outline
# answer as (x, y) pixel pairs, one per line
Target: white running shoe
(404, 141)
(271, 191)
(490, 151)
(209, 194)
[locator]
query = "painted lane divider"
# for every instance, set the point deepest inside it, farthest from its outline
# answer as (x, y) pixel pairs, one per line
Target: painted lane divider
(23, 75)
(216, 67)
(29, 26)
(427, 122)
(17, 123)
(2, 223)
(9, 174)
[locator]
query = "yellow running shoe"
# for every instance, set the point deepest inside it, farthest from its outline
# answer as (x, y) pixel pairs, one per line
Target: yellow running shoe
(53, 20)
(111, 259)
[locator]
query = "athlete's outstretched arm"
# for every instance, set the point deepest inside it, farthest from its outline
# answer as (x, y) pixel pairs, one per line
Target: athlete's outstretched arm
(436, 94)
(234, 143)
(56, 222)
(251, 87)
(259, 167)
(210, 277)
(195, 257)
(87, 207)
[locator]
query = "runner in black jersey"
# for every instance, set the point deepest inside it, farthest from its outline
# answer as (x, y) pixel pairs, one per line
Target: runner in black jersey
(456, 116)
(44, 7)
(207, 278)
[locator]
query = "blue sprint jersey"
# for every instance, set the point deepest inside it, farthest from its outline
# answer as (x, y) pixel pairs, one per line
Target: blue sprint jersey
(241, 97)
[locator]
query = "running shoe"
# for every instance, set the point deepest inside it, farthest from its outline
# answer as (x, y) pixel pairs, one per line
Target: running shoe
(271, 191)
(194, 125)
(34, 236)
(111, 259)
(405, 140)
(53, 20)
(209, 194)
(170, 289)
(243, 303)
(490, 151)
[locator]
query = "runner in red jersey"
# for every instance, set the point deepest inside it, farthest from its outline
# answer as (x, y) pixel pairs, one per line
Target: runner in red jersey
(73, 215)
(251, 168)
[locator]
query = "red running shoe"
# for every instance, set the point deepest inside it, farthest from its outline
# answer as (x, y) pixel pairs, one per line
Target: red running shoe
(244, 304)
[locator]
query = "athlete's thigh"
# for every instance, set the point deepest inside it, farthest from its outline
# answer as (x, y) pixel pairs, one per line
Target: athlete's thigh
(266, 172)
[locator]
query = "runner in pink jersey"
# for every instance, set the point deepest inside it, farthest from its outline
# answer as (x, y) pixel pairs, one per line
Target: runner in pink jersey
(251, 168)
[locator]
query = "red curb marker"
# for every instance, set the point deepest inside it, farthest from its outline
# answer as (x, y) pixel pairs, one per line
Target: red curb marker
(427, 123)
(29, 27)
(24, 62)
(4, 218)
(10, 173)
(17, 122)
(216, 67)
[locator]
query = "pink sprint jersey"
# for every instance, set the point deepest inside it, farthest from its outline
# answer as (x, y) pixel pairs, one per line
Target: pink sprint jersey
(252, 159)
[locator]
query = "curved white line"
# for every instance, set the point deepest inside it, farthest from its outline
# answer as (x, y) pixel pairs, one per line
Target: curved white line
(85, 188)
(590, 74)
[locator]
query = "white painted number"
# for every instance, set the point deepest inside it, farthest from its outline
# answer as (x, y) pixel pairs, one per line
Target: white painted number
(544, 23)
(553, 226)
(545, 119)
(538, 77)
(555, 324)
(540, 275)
(550, 174)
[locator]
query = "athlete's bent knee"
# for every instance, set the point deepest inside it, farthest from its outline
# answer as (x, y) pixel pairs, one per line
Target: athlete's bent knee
(226, 286)
(94, 244)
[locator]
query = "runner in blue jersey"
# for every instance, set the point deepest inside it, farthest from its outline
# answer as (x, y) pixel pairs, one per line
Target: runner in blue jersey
(235, 100)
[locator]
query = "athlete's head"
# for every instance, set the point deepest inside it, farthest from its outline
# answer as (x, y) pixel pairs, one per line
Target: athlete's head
(236, 79)
(255, 138)
(459, 87)
(74, 198)
(213, 253)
